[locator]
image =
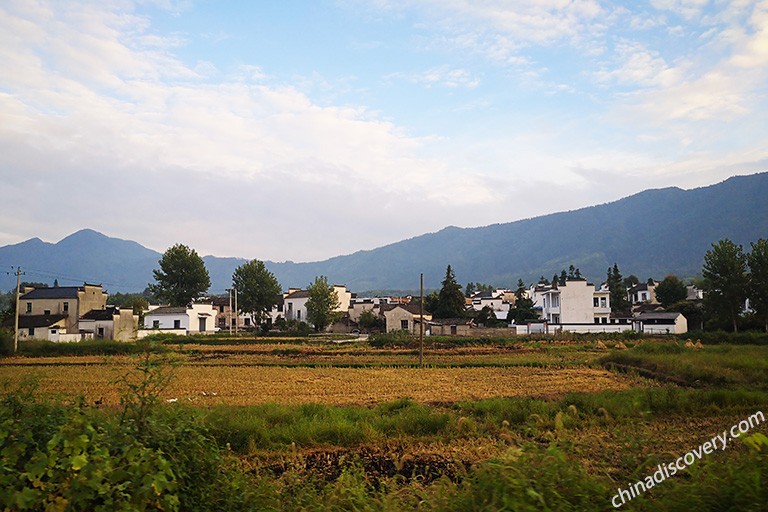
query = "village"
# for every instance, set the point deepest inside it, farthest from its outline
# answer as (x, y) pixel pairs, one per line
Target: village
(74, 313)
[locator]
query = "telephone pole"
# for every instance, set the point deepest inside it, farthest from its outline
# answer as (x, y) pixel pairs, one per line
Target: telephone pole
(421, 322)
(18, 273)
(237, 312)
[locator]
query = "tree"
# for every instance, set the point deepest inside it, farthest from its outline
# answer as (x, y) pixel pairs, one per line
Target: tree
(470, 289)
(758, 280)
(182, 276)
(450, 302)
(486, 317)
(322, 303)
(670, 291)
(370, 321)
(631, 280)
(523, 308)
(257, 289)
(725, 280)
(618, 295)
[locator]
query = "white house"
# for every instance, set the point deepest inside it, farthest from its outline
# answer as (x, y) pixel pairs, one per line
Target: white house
(574, 302)
(497, 300)
(195, 319)
(110, 323)
(294, 305)
(661, 323)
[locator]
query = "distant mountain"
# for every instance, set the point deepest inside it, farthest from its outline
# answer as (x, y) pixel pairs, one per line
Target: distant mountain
(650, 234)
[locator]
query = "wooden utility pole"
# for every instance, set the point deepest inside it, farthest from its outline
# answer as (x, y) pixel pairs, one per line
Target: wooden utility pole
(16, 326)
(230, 311)
(421, 322)
(237, 312)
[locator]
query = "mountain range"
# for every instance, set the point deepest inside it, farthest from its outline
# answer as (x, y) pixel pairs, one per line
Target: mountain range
(649, 234)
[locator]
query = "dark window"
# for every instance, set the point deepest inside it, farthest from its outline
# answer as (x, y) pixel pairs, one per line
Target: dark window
(177, 324)
(595, 302)
(31, 331)
(605, 320)
(404, 324)
(597, 320)
(100, 333)
(29, 307)
(247, 321)
(155, 324)
(47, 312)
(66, 307)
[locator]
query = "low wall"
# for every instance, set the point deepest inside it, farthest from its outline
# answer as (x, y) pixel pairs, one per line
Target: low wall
(143, 333)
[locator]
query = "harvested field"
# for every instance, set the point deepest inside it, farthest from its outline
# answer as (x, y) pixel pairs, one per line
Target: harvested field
(246, 385)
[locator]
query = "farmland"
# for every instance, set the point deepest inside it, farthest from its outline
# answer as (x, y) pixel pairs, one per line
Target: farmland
(312, 424)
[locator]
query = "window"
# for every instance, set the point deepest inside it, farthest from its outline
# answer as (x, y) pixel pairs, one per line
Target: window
(290, 306)
(177, 324)
(47, 312)
(404, 324)
(66, 307)
(597, 320)
(100, 333)
(155, 324)
(247, 321)
(31, 331)
(603, 302)
(29, 307)
(604, 320)
(595, 302)
(298, 314)
(222, 322)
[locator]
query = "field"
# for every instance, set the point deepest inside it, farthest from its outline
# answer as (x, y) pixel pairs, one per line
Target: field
(494, 425)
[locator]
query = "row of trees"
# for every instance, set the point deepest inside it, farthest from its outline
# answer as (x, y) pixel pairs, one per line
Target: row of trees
(182, 278)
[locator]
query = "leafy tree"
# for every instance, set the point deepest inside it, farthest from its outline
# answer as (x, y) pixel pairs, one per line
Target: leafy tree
(450, 302)
(631, 280)
(322, 303)
(670, 291)
(692, 311)
(470, 289)
(523, 308)
(487, 317)
(431, 300)
(257, 289)
(758, 280)
(618, 295)
(370, 321)
(725, 280)
(182, 276)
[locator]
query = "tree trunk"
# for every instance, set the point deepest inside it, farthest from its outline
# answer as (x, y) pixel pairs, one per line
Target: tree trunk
(735, 326)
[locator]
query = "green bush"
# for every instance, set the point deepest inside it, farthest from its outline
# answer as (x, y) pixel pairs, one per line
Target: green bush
(392, 339)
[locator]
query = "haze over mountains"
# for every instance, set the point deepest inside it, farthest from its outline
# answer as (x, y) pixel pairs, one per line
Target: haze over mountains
(650, 234)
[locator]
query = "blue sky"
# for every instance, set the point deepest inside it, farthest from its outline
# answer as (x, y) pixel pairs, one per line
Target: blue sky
(303, 130)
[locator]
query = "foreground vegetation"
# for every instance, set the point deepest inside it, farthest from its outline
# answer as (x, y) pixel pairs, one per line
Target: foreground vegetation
(567, 451)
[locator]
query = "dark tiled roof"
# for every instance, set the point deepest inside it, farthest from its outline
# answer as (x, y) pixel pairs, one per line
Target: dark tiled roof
(60, 292)
(452, 321)
(100, 314)
(27, 321)
(658, 316)
(167, 310)
(411, 308)
(300, 294)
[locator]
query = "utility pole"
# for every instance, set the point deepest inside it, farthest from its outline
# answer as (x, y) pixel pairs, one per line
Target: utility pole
(421, 322)
(16, 326)
(237, 312)
(230, 311)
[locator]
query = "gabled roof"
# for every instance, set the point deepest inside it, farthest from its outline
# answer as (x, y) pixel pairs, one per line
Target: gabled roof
(411, 308)
(167, 310)
(60, 292)
(33, 321)
(299, 294)
(100, 314)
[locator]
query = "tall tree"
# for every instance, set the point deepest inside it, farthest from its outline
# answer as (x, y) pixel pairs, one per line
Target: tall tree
(618, 295)
(450, 303)
(182, 276)
(725, 280)
(257, 289)
(670, 291)
(322, 303)
(758, 279)
(523, 310)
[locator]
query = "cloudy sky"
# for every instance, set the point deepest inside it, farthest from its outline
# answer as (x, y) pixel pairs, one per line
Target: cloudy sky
(306, 129)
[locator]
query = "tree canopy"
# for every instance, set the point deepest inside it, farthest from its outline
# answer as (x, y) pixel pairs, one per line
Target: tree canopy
(758, 280)
(523, 310)
(618, 296)
(322, 303)
(257, 289)
(671, 291)
(450, 302)
(182, 276)
(725, 280)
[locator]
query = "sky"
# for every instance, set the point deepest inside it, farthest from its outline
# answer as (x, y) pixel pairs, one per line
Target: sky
(302, 130)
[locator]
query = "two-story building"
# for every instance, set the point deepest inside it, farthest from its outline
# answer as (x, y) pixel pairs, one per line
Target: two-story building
(71, 301)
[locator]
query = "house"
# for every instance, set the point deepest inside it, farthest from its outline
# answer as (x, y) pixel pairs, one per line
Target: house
(497, 300)
(110, 323)
(39, 327)
(574, 302)
(70, 301)
(643, 293)
(451, 327)
(661, 323)
(194, 319)
(403, 317)
(295, 302)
